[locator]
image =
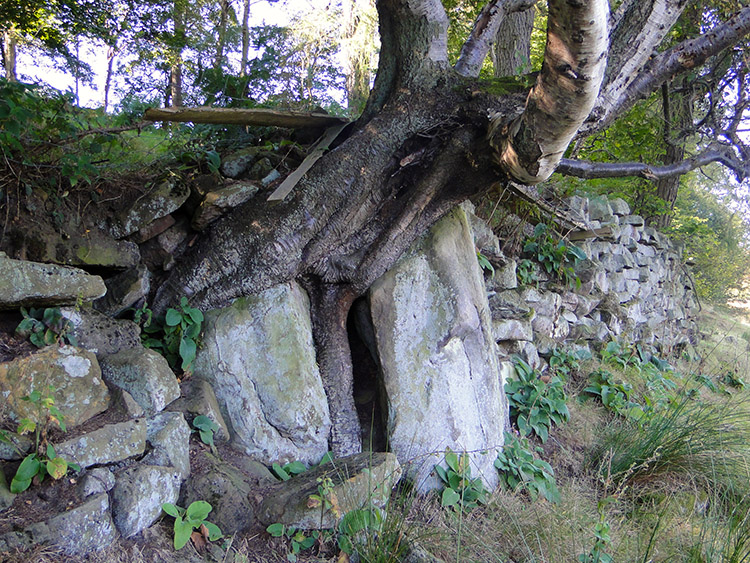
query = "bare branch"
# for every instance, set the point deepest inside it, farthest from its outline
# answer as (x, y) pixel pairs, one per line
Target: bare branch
(479, 42)
(530, 147)
(681, 58)
(716, 153)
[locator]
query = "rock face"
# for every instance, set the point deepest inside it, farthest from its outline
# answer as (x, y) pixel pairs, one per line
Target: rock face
(258, 356)
(74, 374)
(161, 200)
(31, 284)
(138, 495)
(145, 375)
(113, 442)
(437, 354)
(358, 481)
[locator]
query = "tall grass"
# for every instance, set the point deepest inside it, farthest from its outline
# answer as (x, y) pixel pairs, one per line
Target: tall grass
(702, 442)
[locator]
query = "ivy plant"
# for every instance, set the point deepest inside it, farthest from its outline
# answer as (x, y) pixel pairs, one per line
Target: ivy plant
(519, 469)
(535, 405)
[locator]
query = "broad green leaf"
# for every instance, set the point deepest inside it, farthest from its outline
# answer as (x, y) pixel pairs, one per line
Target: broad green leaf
(187, 352)
(28, 468)
(295, 467)
(182, 531)
(449, 498)
(173, 317)
(280, 472)
(18, 486)
(57, 467)
(171, 509)
(214, 532)
(26, 426)
(276, 530)
(198, 511)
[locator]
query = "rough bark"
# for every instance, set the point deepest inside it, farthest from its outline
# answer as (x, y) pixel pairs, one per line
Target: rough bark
(484, 33)
(221, 34)
(511, 53)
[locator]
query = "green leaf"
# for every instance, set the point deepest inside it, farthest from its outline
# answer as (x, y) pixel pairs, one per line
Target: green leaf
(173, 317)
(452, 460)
(182, 531)
(51, 452)
(345, 544)
(276, 530)
(28, 468)
(449, 498)
(196, 315)
(295, 467)
(18, 486)
(198, 511)
(214, 532)
(280, 472)
(172, 510)
(57, 467)
(26, 426)
(207, 437)
(187, 352)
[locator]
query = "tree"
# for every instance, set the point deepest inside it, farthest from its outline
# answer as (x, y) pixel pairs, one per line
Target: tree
(424, 143)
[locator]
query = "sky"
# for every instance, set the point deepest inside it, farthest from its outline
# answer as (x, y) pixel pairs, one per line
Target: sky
(37, 68)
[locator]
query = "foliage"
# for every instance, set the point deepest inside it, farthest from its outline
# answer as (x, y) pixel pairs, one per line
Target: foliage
(41, 131)
(614, 395)
(520, 470)
(535, 405)
(602, 541)
(703, 441)
(484, 263)
(206, 428)
(175, 335)
(192, 518)
(715, 240)
(526, 273)
(298, 539)
(288, 470)
(556, 257)
(564, 364)
(43, 460)
(45, 327)
(461, 493)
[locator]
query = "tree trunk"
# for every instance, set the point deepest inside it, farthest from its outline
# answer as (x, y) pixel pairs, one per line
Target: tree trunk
(358, 46)
(511, 53)
(245, 37)
(175, 72)
(221, 33)
(111, 52)
(419, 148)
(9, 55)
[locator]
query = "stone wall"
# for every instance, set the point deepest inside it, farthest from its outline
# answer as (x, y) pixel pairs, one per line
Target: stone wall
(633, 288)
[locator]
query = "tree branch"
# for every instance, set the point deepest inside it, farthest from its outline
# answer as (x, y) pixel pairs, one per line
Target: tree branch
(530, 147)
(681, 58)
(474, 50)
(716, 153)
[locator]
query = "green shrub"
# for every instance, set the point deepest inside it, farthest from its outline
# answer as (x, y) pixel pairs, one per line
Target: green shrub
(461, 492)
(556, 257)
(520, 470)
(45, 327)
(192, 518)
(175, 334)
(535, 405)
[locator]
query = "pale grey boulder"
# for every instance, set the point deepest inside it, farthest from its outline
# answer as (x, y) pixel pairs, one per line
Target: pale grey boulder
(138, 494)
(32, 284)
(258, 356)
(438, 356)
(101, 334)
(143, 373)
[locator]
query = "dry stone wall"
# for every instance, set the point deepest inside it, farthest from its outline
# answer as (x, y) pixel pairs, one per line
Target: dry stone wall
(634, 287)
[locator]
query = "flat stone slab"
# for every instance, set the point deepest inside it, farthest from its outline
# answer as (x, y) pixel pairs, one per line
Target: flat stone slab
(358, 481)
(33, 284)
(111, 443)
(138, 495)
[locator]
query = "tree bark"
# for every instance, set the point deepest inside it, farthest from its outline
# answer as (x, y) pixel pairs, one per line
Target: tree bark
(245, 37)
(9, 55)
(511, 53)
(221, 32)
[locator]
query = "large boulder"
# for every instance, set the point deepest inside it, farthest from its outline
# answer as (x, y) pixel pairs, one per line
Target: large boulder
(258, 356)
(31, 284)
(162, 199)
(70, 375)
(438, 356)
